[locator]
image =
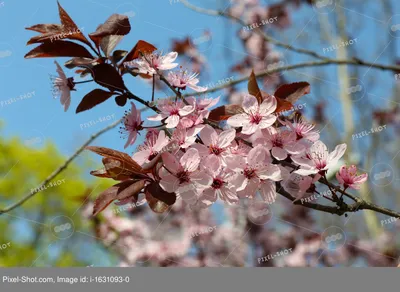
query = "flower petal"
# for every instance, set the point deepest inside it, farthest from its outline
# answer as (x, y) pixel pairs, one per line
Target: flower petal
(250, 104)
(190, 160)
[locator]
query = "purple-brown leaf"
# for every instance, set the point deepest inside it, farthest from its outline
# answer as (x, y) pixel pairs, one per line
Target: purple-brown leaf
(116, 24)
(225, 112)
(140, 47)
(119, 191)
(69, 26)
(127, 162)
(106, 75)
(292, 92)
(46, 28)
(92, 99)
(157, 192)
(253, 88)
(58, 49)
(153, 198)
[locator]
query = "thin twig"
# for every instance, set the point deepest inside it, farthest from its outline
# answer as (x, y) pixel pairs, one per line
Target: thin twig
(60, 169)
(354, 61)
(296, 66)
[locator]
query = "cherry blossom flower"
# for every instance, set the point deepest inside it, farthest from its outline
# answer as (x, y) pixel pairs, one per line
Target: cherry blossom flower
(181, 137)
(348, 177)
(203, 104)
(63, 87)
(149, 64)
(215, 144)
(183, 177)
(182, 80)
(255, 116)
(172, 111)
(153, 145)
(298, 185)
(317, 159)
(303, 129)
(221, 186)
(251, 172)
(132, 125)
(193, 123)
(281, 143)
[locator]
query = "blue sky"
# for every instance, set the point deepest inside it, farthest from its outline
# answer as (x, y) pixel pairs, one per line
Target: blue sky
(39, 118)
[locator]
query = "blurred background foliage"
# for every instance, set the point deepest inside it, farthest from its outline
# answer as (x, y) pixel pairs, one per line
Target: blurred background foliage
(27, 231)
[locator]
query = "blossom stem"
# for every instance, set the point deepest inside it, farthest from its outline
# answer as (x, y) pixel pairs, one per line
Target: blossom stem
(85, 81)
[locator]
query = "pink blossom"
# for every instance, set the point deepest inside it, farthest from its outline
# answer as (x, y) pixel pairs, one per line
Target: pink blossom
(215, 144)
(255, 116)
(298, 185)
(63, 86)
(256, 172)
(183, 177)
(203, 104)
(172, 111)
(221, 185)
(281, 143)
(182, 80)
(348, 177)
(153, 145)
(149, 64)
(132, 125)
(181, 137)
(193, 123)
(317, 159)
(303, 129)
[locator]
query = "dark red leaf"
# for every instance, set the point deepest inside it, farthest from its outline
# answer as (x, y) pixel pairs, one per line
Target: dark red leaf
(108, 43)
(159, 201)
(46, 28)
(100, 173)
(140, 47)
(157, 192)
(77, 61)
(116, 170)
(118, 55)
(292, 92)
(58, 49)
(225, 112)
(92, 99)
(181, 46)
(119, 191)
(106, 75)
(253, 87)
(121, 100)
(116, 24)
(69, 26)
(128, 162)
(282, 105)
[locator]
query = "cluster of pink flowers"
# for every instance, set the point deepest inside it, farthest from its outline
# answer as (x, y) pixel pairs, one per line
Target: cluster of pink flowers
(201, 163)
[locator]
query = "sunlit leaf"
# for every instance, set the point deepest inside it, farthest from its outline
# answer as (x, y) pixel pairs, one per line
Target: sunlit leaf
(128, 162)
(119, 191)
(116, 24)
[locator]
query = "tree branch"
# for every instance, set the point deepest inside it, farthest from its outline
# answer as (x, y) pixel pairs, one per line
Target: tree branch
(354, 61)
(296, 66)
